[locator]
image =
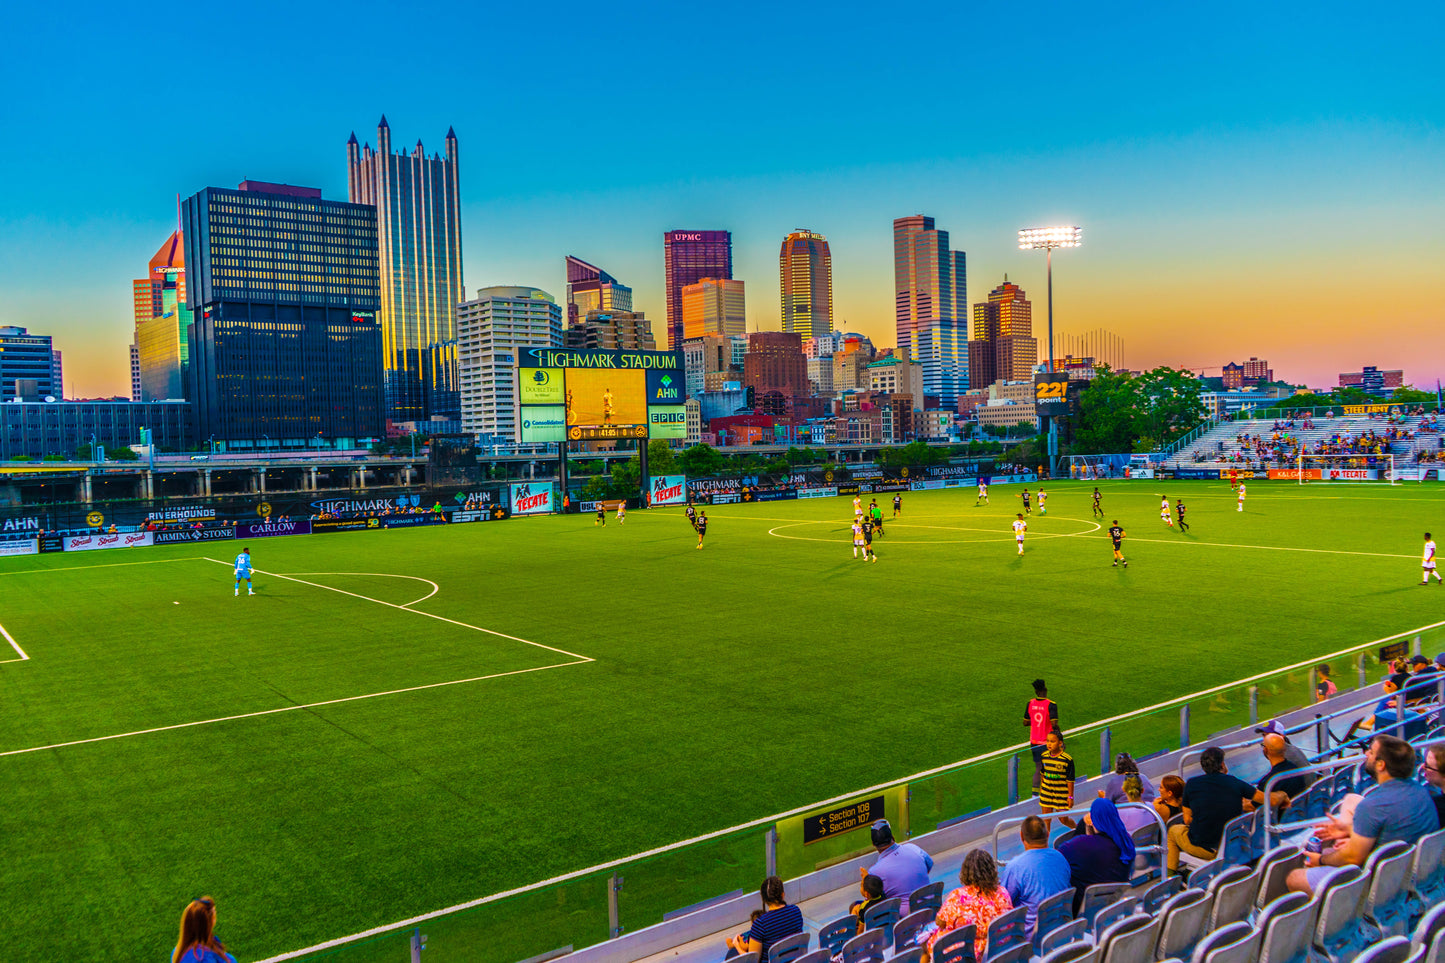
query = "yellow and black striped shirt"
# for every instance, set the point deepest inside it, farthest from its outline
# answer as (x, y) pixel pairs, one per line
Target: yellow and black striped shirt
(1057, 780)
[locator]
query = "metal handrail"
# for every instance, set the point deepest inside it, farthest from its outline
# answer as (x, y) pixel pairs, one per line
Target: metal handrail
(1282, 828)
(1012, 821)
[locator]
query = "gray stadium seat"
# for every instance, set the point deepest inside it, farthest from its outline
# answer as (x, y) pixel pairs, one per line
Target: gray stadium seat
(832, 936)
(1286, 927)
(1080, 952)
(1203, 875)
(1098, 896)
(1387, 902)
(1060, 937)
(1396, 949)
(1340, 933)
(1017, 954)
(1274, 870)
(1160, 893)
(1130, 940)
(1427, 881)
(1435, 951)
(1146, 864)
(1182, 924)
(1006, 931)
(1430, 925)
(864, 948)
(1120, 909)
(1053, 912)
(789, 948)
(745, 958)
(913, 955)
(908, 927)
(1237, 845)
(883, 915)
(817, 956)
(956, 946)
(1233, 893)
(929, 896)
(1238, 939)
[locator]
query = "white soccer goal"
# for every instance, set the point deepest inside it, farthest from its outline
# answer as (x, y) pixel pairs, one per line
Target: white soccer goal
(1346, 468)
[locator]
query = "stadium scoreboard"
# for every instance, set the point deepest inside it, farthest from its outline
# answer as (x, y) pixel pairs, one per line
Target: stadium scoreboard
(581, 395)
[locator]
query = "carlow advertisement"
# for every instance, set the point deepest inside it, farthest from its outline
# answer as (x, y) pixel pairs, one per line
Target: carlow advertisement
(532, 498)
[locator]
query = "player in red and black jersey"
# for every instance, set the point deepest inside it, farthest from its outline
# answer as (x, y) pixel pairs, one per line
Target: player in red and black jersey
(701, 526)
(1116, 535)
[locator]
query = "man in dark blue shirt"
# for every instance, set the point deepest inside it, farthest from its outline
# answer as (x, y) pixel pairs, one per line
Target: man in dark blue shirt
(1210, 800)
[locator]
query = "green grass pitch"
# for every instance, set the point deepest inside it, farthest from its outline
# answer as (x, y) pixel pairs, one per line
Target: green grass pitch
(572, 694)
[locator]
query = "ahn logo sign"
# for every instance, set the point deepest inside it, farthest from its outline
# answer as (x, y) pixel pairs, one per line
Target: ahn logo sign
(533, 498)
(665, 387)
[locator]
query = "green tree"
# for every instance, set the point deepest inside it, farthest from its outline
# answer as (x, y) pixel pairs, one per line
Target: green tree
(1171, 407)
(1409, 395)
(660, 458)
(1120, 413)
(700, 461)
(121, 454)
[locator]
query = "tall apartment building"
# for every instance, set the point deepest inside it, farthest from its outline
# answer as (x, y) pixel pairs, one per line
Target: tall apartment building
(284, 345)
(163, 324)
(1003, 347)
(805, 269)
(775, 363)
(419, 237)
(712, 360)
(714, 306)
(589, 288)
(1373, 379)
(897, 375)
(688, 257)
(491, 329)
(931, 305)
(611, 331)
(26, 365)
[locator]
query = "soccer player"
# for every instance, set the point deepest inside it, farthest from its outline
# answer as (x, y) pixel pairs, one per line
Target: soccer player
(857, 507)
(1041, 715)
(1233, 478)
(1098, 509)
(897, 505)
(1164, 512)
(691, 516)
(1117, 534)
(868, 555)
(601, 515)
(982, 494)
(1427, 562)
(1043, 499)
(877, 514)
(701, 527)
(1020, 527)
(243, 571)
(1025, 496)
(1241, 497)
(1179, 510)
(621, 511)
(858, 539)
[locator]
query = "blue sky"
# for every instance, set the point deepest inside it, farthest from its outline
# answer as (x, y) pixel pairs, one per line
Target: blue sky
(1252, 180)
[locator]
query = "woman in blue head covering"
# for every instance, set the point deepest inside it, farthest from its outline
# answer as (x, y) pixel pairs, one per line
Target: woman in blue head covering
(1103, 854)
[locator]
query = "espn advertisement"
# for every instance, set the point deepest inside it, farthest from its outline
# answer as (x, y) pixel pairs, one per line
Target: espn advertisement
(89, 543)
(532, 498)
(669, 490)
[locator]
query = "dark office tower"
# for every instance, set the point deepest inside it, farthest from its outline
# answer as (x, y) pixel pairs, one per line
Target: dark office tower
(284, 287)
(688, 257)
(931, 305)
(589, 288)
(26, 365)
(419, 233)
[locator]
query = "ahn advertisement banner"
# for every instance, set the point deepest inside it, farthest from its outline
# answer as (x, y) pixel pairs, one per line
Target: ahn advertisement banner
(532, 498)
(195, 535)
(272, 529)
(89, 543)
(24, 546)
(669, 490)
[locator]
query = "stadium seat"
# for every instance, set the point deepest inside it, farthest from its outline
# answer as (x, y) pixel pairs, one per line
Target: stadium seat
(1235, 943)
(1182, 924)
(864, 948)
(1061, 936)
(1098, 896)
(817, 956)
(929, 896)
(1434, 951)
(789, 948)
(1203, 875)
(1427, 882)
(745, 958)
(1080, 952)
(1233, 894)
(1237, 847)
(1121, 908)
(1146, 864)
(1160, 893)
(1340, 933)
(1274, 870)
(1285, 928)
(1053, 912)
(1430, 926)
(956, 946)
(1017, 954)
(883, 915)
(1130, 940)
(1396, 949)
(1314, 803)
(913, 955)
(832, 936)
(1007, 931)
(1387, 899)
(907, 928)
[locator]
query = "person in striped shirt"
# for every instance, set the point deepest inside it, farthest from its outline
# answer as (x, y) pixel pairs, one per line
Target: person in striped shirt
(1056, 784)
(778, 920)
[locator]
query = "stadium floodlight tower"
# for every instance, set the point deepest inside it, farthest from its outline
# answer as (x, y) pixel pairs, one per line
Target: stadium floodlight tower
(1048, 238)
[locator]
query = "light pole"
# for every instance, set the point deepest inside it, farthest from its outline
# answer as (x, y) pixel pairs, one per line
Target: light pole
(267, 439)
(1048, 238)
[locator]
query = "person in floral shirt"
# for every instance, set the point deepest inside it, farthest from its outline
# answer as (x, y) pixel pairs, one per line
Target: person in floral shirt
(979, 900)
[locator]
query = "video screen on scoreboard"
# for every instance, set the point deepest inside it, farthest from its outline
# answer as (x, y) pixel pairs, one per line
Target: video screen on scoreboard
(606, 397)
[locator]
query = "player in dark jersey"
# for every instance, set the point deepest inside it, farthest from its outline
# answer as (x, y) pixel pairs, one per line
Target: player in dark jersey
(1025, 496)
(1116, 534)
(1179, 510)
(691, 516)
(601, 515)
(1098, 509)
(701, 527)
(897, 505)
(868, 539)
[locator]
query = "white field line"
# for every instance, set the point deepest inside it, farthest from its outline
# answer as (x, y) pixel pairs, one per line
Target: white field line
(434, 914)
(393, 605)
(434, 587)
(1267, 548)
(14, 645)
(77, 568)
(290, 708)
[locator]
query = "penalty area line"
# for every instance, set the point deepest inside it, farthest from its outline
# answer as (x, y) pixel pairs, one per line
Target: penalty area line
(14, 645)
(280, 709)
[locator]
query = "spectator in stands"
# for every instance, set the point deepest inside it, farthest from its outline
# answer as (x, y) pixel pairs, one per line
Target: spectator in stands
(1038, 873)
(1211, 799)
(903, 867)
(1125, 766)
(1385, 707)
(1396, 808)
(872, 891)
(1056, 788)
(778, 920)
(1325, 687)
(1433, 770)
(1286, 789)
(197, 942)
(1133, 817)
(1293, 754)
(1171, 797)
(1103, 853)
(979, 900)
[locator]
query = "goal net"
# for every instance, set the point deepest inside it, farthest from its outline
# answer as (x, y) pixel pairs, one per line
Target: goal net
(1346, 468)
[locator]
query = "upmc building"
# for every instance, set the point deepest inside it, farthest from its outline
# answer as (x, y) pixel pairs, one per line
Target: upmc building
(688, 257)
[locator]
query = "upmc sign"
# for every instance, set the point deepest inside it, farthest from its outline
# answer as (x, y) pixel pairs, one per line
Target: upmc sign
(533, 498)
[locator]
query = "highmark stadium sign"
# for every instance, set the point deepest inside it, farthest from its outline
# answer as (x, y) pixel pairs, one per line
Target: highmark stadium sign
(599, 395)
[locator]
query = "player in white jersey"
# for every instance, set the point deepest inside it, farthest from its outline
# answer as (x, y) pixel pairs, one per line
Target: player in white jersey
(1241, 497)
(857, 506)
(858, 540)
(1427, 562)
(243, 571)
(1020, 526)
(1164, 515)
(621, 512)
(982, 493)
(1043, 499)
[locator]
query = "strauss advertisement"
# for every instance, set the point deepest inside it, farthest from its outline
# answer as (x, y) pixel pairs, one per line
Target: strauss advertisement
(88, 543)
(669, 490)
(532, 498)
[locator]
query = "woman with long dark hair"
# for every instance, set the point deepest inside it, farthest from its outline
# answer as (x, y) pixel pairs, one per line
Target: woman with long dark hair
(197, 942)
(778, 920)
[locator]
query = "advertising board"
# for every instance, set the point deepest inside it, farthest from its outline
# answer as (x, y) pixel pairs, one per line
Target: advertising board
(1141, 473)
(20, 526)
(272, 529)
(194, 535)
(543, 423)
(666, 421)
(769, 494)
(664, 387)
(183, 513)
(89, 543)
(322, 526)
(1351, 474)
(20, 546)
(52, 543)
(494, 514)
(532, 498)
(606, 398)
(1051, 394)
(817, 492)
(412, 521)
(540, 386)
(669, 490)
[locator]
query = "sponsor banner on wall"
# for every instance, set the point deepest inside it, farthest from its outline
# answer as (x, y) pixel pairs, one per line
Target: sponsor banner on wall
(865, 473)
(412, 521)
(894, 486)
(495, 513)
(770, 494)
(52, 543)
(820, 492)
(1351, 474)
(724, 498)
(1141, 473)
(1195, 473)
(668, 490)
(358, 506)
(194, 535)
(89, 543)
(532, 498)
(545, 423)
(666, 421)
(20, 526)
(1293, 474)
(920, 486)
(272, 529)
(322, 526)
(850, 490)
(540, 386)
(21, 546)
(184, 513)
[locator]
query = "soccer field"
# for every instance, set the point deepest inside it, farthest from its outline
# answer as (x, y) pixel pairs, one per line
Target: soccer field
(407, 719)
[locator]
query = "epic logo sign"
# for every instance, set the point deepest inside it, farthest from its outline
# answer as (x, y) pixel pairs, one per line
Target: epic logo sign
(532, 499)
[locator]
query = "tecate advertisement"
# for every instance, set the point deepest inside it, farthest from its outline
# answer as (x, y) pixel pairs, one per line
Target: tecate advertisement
(27, 546)
(669, 490)
(89, 543)
(532, 498)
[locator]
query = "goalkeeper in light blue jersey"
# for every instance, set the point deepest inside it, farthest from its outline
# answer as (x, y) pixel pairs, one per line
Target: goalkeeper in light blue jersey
(243, 571)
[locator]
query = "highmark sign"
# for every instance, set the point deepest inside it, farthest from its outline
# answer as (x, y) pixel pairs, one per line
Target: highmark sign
(621, 360)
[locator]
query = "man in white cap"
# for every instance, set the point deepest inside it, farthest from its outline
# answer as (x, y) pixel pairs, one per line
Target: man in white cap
(1293, 754)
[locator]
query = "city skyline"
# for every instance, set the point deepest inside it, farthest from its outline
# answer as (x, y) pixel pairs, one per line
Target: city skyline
(1240, 191)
